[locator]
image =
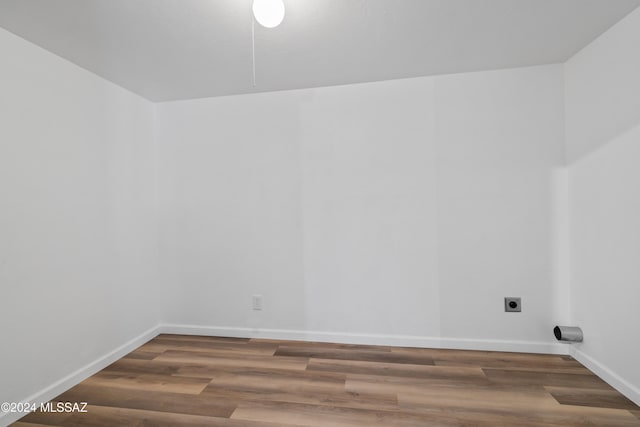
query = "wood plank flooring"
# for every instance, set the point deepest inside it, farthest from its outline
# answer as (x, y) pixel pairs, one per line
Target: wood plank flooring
(176, 380)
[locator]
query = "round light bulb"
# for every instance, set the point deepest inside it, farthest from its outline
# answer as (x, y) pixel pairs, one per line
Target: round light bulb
(268, 13)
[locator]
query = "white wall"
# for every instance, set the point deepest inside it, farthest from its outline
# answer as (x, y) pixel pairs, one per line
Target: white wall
(401, 208)
(368, 209)
(603, 102)
(603, 88)
(318, 200)
(500, 141)
(231, 223)
(77, 231)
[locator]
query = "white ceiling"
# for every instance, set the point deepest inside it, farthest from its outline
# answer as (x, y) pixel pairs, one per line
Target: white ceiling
(178, 49)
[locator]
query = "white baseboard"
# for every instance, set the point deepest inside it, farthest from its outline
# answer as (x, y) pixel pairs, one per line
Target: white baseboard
(80, 375)
(370, 339)
(609, 376)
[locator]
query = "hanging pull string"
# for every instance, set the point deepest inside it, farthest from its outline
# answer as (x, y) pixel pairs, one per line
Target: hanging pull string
(253, 48)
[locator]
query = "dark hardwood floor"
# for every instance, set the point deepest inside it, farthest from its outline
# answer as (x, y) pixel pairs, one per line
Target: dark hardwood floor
(177, 380)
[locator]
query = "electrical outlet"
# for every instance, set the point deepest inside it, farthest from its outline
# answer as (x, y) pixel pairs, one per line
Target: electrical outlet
(512, 304)
(256, 302)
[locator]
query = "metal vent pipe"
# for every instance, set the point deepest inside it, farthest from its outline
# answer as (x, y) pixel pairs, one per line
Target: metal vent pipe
(568, 333)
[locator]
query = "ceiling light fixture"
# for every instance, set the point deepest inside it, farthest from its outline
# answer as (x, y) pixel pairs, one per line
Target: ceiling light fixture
(268, 13)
